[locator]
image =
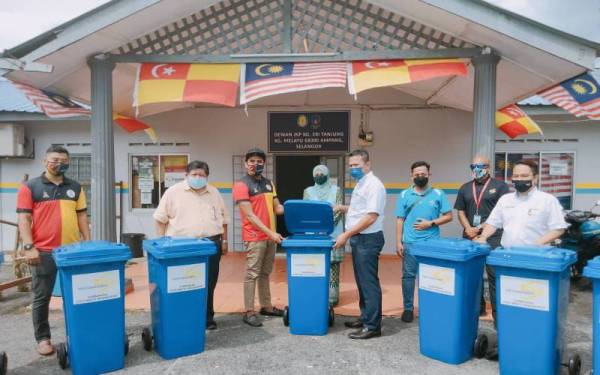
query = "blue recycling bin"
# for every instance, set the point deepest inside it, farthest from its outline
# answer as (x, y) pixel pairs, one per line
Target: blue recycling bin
(592, 271)
(93, 288)
(178, 278)
(532, 297)
(449, 292)
(56, 291)
(308, 248)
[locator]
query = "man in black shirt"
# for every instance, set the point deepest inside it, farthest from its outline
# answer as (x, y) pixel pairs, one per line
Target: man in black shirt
(475, 201)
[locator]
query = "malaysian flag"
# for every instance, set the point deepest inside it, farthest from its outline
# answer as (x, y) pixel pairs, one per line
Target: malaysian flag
(260, 80)
(51, 104)
(579, 96)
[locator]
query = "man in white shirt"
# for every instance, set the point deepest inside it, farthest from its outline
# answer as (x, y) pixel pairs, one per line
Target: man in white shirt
(529, 216)
(364, 230)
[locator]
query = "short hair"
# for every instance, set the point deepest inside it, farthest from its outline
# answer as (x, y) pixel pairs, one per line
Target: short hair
(530, 163)
(57, 149)
(197, 164)
(255, 151)
(364, 154)
(418, 164)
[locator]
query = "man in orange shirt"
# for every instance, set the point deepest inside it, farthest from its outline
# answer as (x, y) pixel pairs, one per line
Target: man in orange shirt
(256, 197)
(51, 212)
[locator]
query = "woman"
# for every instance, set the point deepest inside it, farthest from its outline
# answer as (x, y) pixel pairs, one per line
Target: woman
(324, 190)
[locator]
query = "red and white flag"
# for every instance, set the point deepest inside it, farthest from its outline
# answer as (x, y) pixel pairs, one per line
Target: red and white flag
(260, 80)
(51, 104)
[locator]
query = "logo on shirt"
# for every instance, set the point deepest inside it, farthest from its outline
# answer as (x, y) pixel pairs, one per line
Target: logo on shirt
(492, 191)
(70, 193)
(45, 195)
(269, 188)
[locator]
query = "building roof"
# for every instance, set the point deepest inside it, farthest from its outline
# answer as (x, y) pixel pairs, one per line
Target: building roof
(13, 100)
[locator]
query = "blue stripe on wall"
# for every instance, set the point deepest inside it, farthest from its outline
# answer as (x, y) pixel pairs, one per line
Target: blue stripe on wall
(587, 191)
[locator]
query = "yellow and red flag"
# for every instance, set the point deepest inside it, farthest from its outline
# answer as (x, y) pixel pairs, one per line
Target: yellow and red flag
(512, 121)
(130, 125)
(365, 75)
(206, 83)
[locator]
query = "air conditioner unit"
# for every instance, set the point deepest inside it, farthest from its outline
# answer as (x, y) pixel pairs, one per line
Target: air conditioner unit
(12, 140)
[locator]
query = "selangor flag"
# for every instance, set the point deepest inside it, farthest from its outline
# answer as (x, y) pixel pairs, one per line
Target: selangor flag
(207, 83)
(131, 125)
(365, 75)
(514, 122)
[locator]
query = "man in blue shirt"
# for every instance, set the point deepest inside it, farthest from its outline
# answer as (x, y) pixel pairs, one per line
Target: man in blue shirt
(420, 210)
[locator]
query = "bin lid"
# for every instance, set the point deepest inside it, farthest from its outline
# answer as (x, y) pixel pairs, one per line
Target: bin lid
(592, 270)
(308, 217)
(179, 247)
(90, 252)
(308, 241)
(542, 258)
(455, 249)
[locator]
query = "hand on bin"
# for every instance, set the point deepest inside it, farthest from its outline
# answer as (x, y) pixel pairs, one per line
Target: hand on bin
(480, 239)
(340, 241)
(472, 232)
(274, 236)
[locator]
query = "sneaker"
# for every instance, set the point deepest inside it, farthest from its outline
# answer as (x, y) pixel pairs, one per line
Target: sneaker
(45, 347)
(407, 316)
(274, 312)
(211, 325)
(252, 320)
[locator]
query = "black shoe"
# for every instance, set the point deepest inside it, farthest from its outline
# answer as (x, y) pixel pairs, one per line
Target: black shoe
(252, 320)
(492, 354)
(274, 312)
(364, 334)
(354, 323)
(407, 316)
(211, 325)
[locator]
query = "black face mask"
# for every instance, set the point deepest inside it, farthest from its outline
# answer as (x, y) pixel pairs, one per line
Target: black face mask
(320, 179)
(259, 169)
(522, 185)
(421, 181)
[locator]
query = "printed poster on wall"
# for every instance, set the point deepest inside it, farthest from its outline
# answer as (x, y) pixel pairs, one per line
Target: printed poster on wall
(186, 277)
(96, 287)
(526, 293)
(308, 265)
(437, 279)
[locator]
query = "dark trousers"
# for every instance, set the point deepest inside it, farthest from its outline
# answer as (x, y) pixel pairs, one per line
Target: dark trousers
(365, 260)
(43, 277)
(494, 243)
(213, 276)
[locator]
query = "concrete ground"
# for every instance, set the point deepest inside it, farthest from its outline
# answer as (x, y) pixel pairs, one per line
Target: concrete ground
(236, 348)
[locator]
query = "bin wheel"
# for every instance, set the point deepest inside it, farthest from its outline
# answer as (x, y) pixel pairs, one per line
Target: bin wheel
(147, 339)
(61, 354)
(481, 346)
(3, 363)
(286, 316)
(331, 316)
(126, 345)
(574, 364)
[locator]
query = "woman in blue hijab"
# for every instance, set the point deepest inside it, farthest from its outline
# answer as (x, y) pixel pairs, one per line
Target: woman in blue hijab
(323, 190)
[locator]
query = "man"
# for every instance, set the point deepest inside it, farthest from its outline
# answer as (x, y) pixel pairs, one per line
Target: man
(256, 197)
(364, 230)
(192, 208)
(51, 212)
(420, 211)
(529, 216)
(475, 201)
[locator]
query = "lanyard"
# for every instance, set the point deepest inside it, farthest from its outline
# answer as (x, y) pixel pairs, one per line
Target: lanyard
(480, 197)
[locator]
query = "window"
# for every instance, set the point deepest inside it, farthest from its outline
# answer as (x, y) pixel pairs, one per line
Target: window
(555, 176)
(80, 170)
(151, 175)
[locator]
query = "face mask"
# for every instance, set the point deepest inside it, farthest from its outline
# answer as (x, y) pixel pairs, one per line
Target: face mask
(480, 173)
(522, 185)
(63, 168)
(259, 169)
(59, 170)
(320, 179)
(421, 181)
(197, 182)
(356, 173)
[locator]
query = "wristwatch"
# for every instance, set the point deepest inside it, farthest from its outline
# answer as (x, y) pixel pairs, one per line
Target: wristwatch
(28, 246)
(433, 224)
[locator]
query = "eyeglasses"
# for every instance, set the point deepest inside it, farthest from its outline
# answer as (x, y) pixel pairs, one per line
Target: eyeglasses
(480, 166)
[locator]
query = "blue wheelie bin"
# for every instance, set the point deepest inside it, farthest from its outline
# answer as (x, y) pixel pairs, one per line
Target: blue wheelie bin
(92, 283)
(449, 291)
(178, 278)
(592, 271)
(532, 297)
(308, 266)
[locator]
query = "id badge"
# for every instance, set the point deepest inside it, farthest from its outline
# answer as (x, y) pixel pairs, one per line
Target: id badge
(476, 220)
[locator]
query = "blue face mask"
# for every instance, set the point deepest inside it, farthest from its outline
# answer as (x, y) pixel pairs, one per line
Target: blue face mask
(479, 173)
(197, 182)
(357, 173)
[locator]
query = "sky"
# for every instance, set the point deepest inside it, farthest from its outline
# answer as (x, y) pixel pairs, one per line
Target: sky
(21, 20)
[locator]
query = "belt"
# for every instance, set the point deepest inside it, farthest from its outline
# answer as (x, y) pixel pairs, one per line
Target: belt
(216, 238)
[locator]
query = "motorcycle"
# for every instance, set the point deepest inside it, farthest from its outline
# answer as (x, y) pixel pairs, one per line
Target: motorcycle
(582, 236)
